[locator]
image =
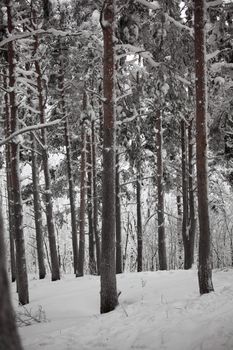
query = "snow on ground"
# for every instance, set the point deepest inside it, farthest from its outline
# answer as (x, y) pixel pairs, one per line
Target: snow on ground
(157, 311)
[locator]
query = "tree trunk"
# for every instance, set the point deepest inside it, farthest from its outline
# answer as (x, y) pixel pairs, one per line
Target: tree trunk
(9, 338)
(95, 198)
(185, 215)
(204, 266)
(48, 194)
(69, 164)
(37, 210)
(139, 221)
(9, 183)
(192, 218)
(22, 279)
(118, 219)
(92, 263)
(81, 255)
(108, 293)
(161, 221)
(179, 226)
(72, 198)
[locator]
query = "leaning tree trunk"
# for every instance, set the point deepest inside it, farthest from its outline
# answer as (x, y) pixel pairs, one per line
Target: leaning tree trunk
(48, 195)
(108, 293)
(9, 183)
(81, 255)
(22, 279)
(118, 219)
(9, 338)
(37, 210)
(161, 221)
(95, 198)
(204, 266)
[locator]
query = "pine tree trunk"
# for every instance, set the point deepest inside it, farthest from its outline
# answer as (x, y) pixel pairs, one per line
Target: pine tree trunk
(179, 226)
(9, 338)
(95, 198)
(21, 267)
(108, 293)
(48, 194)
(71, 197)
(69, 164)
(9, 184)
(81, 255)
(204, 266)
(185, 233)
(139, 221)
(192, 218)
(118, 219)
(37, 210)
(161, 221)
(92, 263)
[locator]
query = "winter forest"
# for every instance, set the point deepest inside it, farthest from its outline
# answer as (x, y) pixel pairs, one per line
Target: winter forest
(116, 174)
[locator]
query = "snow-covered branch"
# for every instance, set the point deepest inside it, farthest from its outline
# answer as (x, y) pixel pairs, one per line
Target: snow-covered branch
(151, 5)
(51, 31)
(214, 3)
(29, 129)
(179, 24)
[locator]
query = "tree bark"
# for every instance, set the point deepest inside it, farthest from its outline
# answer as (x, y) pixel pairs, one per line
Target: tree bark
(22, 279)
(204, 266)
(92, 262)
(9, 338)
(118, 219)
(71, 197)
(95, 198)
(192, 218)
(69, 164)
(47, 193)
(108, 293)
(37, 210)
(161, 221)
(139, 221)
(81, 255)
(9, 183)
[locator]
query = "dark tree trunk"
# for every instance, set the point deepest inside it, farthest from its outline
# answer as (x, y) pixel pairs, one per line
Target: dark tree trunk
(47, 194)
(92, 263)
(81, 255)
(108, 293)
(204, 266)
(161, 221)
(37, 210)
(192, 218)
(9, 183)
(139, 221)
(118, 219)
(9, 338)
(69, 164)
(179, 226)
(95, 199)
(22, 280)
(185, 233)
(72, 198)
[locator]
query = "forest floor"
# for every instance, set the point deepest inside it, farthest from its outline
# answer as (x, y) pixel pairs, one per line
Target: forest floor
(157, 311)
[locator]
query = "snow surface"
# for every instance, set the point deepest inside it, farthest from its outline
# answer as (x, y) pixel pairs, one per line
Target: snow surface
(157, 310)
